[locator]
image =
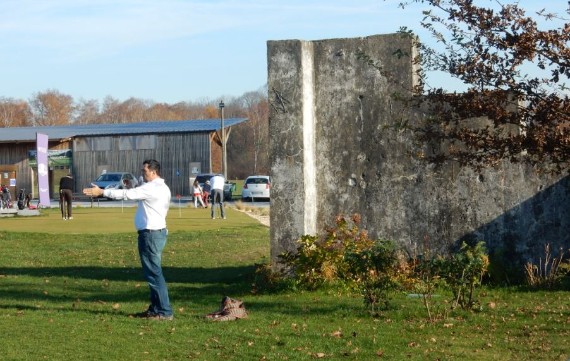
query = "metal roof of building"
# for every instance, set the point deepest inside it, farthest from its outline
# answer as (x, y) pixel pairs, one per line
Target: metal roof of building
(28, 134)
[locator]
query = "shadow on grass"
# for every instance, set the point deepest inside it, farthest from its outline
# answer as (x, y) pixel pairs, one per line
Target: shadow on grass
(197, 284)
(172, 274)
(94, 290)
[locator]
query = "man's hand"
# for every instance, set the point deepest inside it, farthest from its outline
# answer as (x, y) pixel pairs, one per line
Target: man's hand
(93, 192)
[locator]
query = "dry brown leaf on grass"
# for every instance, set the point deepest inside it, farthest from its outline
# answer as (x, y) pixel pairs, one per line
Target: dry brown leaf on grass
(337, 333)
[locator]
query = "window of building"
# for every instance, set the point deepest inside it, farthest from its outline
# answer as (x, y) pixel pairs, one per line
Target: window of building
(127, 143)
(145, 142)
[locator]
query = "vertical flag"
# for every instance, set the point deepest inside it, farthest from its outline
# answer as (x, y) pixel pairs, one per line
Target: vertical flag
(43, 170)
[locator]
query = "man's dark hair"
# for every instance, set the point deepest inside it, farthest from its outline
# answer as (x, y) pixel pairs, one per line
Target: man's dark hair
(153, 164)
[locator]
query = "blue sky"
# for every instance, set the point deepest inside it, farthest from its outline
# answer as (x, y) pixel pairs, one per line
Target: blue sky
(171, 50)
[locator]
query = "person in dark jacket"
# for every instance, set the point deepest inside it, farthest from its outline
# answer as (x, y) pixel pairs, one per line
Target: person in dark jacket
(66, 196)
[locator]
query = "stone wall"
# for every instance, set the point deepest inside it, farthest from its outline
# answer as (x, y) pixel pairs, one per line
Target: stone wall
(338, 146)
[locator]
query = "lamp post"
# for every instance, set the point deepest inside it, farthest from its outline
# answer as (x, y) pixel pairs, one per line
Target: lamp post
(223, 133)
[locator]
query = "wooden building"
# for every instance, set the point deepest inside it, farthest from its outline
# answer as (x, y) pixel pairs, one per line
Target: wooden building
(184, 148)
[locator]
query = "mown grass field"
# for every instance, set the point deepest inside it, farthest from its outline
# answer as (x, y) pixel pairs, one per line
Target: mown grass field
(66, 289)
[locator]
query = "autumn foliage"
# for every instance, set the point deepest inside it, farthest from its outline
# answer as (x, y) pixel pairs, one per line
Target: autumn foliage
(517, 75)
(248, 145)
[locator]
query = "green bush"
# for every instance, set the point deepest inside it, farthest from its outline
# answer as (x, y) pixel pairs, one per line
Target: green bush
(424, 279)
(463, 271)
(345, 256)
(321, 260)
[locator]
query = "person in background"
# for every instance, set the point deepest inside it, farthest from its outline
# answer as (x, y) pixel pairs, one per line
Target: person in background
(206, 190)
(6, 196)
(197, 193)
(66, 186)
(217, 183)
(28, 200)
(127, 184)
(153, 198)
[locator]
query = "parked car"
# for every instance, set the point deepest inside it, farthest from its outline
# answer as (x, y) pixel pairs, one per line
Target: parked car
(229, 189)
(116, 180)
(256, 186)
(203, 177)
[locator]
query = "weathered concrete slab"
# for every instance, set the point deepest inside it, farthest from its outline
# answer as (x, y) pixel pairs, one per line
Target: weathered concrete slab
(12, 212)
(8, 212)
(28, 212)
(338, 146)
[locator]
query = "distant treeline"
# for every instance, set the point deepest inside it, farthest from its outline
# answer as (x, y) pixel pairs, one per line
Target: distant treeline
(248, 144)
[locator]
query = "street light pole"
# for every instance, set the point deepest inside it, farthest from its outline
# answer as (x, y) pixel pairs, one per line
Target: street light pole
(223, 133)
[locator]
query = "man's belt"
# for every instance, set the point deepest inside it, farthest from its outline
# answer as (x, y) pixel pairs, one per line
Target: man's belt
(150, 230)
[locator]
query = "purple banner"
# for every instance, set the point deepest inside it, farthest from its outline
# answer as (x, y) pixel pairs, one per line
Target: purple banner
(43, 170)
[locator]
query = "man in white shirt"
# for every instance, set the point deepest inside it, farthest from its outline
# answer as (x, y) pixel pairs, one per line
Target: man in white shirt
(217, 182)
(153, 198)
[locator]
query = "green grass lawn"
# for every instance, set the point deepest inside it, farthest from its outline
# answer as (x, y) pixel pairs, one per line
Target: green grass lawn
(67, 287)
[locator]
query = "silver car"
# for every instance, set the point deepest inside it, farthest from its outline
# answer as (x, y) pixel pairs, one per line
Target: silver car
(256, 186)
(116, 180)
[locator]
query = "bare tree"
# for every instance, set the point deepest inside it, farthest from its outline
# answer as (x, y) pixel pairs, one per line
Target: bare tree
(251, 139)
(87, 112)
(133, 110)
(211, 111)
(257, 107)
(14, 113)
(161, 111)
(111, 112)
(51, 108)
(188, 110)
